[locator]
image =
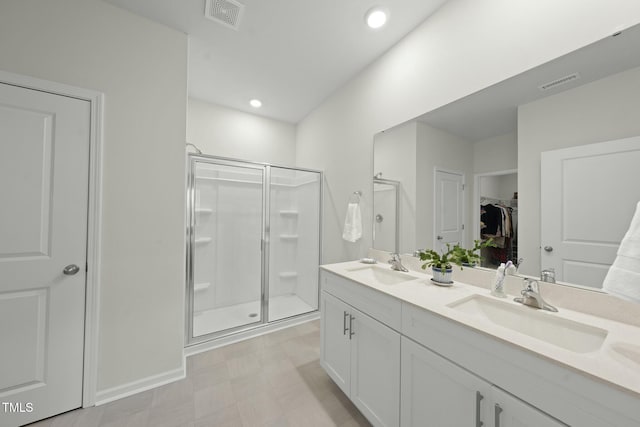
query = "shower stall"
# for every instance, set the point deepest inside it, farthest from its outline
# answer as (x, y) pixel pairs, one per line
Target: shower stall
(253, 245)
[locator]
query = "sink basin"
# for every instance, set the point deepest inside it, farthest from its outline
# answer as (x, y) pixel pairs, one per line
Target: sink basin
(629, 352)
(379, 274)
(547, 327)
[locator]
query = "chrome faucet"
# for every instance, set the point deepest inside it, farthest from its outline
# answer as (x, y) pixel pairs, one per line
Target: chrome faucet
(548, 275)
(396, 263)
(531, 296)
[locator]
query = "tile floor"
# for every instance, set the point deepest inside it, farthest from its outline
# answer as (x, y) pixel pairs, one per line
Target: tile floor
(273, 380)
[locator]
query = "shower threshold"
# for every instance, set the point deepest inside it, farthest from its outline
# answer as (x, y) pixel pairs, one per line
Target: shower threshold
(233, 316)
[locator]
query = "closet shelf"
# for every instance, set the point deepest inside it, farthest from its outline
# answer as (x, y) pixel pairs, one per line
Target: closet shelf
(201, 286)
(289, 236)
(289, 212)
(202, 240)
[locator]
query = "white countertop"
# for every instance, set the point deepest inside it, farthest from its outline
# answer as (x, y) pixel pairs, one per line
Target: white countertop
(604, 364)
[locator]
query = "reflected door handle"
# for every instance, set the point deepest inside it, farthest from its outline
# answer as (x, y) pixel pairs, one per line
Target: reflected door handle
(439, 237)
(548, 248)
(70, 270)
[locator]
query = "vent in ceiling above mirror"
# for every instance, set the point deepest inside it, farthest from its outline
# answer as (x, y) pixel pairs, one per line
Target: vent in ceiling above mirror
(559, 82)
(225, 12)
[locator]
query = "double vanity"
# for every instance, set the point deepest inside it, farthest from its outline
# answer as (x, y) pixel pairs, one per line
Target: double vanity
(410, 353)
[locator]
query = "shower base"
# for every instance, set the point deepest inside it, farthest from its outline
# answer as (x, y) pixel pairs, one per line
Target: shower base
(220, 319)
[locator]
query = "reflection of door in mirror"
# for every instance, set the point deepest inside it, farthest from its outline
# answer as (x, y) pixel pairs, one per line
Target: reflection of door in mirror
(588, 196)
(449, 209)
(497, 217)
(386, 205)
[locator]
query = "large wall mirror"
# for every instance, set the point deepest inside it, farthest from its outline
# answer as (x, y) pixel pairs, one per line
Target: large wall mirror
(556, 147)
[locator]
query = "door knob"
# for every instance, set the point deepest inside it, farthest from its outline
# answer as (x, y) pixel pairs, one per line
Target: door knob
(548, 248)
(71, 269)
(439, 237)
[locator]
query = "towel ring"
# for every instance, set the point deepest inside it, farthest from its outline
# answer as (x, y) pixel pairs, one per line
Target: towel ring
(355, 197)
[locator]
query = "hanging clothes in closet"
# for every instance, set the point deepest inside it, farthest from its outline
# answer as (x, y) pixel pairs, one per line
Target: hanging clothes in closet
(496, 222)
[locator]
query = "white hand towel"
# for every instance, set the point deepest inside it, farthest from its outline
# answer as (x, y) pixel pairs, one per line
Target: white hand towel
(623, 278)
(353, 223)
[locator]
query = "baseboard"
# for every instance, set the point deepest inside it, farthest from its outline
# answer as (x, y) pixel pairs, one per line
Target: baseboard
(251, 333)
(144, 384)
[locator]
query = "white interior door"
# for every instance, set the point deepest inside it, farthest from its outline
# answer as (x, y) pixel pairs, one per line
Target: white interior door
(588, 196)
(449, 209)
(44, 154)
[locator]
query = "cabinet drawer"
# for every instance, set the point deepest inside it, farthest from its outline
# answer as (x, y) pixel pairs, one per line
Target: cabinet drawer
(383, 308)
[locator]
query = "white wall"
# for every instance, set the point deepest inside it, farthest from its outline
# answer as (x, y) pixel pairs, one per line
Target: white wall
(498, 153)
(395, 154)
(467, 45)
(225, 132)
(141, 68)
(447, 152)
(604, 110)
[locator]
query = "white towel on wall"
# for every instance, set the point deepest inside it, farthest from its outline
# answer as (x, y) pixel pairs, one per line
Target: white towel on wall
(623, 278)
(352, 231)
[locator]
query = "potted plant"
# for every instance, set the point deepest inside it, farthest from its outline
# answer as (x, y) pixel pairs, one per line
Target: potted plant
(471, 257)
(440, 263)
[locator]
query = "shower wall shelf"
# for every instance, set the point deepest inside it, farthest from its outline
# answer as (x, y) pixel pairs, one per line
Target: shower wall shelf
(288, 275)
(201, 286)
(202, 240)
(244, 181)
(289, 236)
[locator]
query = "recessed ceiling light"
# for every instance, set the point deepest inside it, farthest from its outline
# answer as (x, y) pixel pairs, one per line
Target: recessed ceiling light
(255, 103)
(376, 17)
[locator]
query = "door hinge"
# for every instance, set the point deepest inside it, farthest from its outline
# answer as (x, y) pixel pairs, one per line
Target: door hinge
(86, 267)
(462, 187)
(463, 226)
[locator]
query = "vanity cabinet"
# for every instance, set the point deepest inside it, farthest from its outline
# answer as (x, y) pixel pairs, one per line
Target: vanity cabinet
(436, 392)
(404, 365)
(361, 354)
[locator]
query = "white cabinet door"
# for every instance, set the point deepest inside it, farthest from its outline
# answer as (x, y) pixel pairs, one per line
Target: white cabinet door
(375, 370)
(508, 411)
(437, 393)
(335, 347)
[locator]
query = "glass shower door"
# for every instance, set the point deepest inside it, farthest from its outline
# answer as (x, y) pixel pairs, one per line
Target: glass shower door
(226, 231)
(294, 247)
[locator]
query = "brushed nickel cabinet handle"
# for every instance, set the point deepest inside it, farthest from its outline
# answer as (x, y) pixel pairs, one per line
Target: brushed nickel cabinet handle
(497, 415)
(344, 323)
(479, 398)
(351, 333)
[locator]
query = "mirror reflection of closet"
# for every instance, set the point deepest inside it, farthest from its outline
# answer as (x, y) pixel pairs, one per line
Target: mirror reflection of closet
(497, 216)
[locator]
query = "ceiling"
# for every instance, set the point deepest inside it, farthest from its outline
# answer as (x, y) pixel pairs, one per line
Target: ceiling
(493, 111)
(290, 54)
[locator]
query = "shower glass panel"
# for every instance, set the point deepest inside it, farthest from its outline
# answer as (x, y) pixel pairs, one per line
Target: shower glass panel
(253, 245)
(226, 240)
(294, 247)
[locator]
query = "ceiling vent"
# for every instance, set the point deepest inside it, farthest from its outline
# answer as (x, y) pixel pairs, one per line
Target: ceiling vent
(559, 82)
(225, 12)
